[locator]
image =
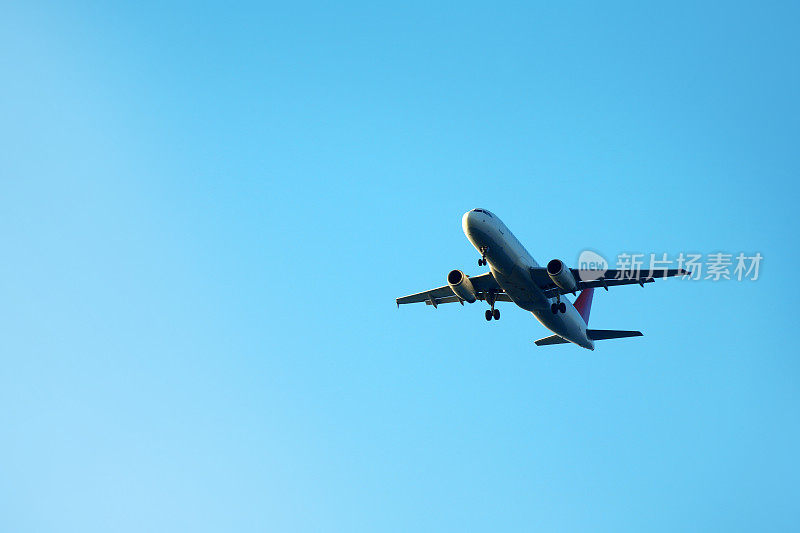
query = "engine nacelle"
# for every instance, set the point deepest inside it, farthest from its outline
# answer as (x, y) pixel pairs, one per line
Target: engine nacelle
(461, 286)
(561, 275)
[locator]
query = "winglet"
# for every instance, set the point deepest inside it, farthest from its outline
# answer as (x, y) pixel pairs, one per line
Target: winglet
(584, 303)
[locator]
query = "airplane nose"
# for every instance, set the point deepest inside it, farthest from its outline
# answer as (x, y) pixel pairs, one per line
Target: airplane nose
(468, 221)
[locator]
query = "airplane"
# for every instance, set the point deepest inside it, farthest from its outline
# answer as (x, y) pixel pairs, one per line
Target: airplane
(514, 276)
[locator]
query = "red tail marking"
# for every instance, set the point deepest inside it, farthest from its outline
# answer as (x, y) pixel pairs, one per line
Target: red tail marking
(584, 303)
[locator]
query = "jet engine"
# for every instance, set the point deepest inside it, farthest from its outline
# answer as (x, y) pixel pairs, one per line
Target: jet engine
(461, 286)
(561, 275)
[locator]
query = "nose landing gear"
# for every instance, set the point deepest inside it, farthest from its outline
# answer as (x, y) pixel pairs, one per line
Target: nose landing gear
(492, 313)
(482, 260)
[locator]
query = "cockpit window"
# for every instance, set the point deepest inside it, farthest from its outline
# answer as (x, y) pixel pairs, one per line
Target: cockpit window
(482, 211)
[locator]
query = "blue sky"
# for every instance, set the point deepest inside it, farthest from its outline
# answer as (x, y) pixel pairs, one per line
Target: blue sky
(208, 210)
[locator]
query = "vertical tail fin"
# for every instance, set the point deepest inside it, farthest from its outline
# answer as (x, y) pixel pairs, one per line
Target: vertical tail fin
(584, 303)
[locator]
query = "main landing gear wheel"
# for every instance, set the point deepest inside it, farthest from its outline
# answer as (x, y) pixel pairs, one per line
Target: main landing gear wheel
(562, 307)
(481, 262)
(491, 298)
(554, 308)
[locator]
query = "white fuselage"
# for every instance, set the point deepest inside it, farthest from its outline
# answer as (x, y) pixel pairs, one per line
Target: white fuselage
(510, 264)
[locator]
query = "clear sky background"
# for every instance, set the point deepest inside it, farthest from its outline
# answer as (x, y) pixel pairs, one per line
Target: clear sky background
(208, 209)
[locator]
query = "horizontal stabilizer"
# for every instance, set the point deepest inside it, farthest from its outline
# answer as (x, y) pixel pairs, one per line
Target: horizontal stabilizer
(552, 339)
(603, 334)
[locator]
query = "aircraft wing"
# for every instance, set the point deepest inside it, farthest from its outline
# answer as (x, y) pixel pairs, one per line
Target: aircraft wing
(445, 295)
(586, 279)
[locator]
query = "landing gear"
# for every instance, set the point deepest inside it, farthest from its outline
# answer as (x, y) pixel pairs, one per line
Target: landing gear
(491, 313)
(558, 306)
(482, 260)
